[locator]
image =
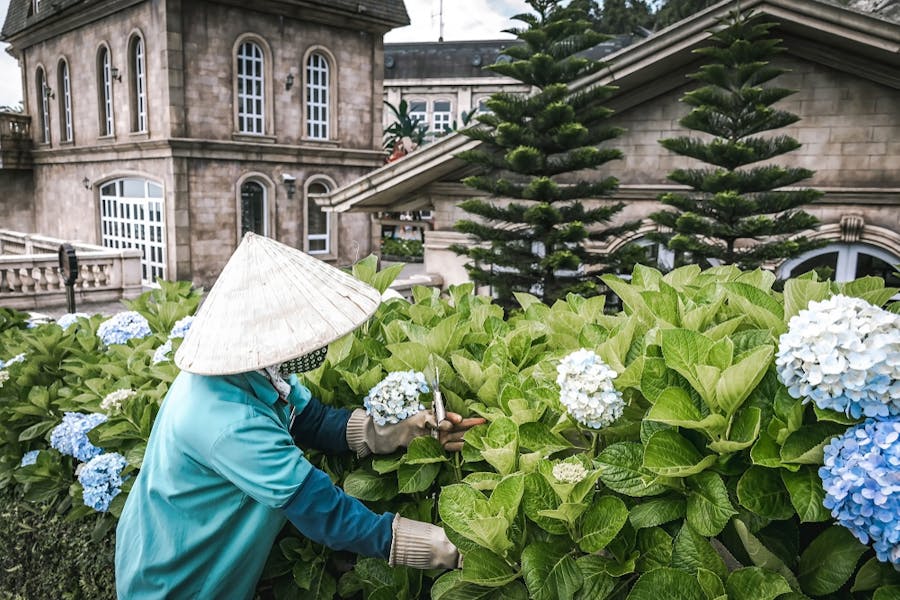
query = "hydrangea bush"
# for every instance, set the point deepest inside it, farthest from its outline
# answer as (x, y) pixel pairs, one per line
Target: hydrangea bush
(705, 485)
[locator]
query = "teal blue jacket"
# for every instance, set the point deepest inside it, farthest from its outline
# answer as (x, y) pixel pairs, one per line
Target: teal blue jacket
(220, 476)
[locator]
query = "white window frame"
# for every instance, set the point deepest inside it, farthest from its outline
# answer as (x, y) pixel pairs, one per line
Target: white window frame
(44, 93)
(107, 123)
(318, 97)
(65, 101)
(250, 73)
(139, 66)
(421, 115)
(847, 259)
(441, 119)
(329, 220)
(136, 222)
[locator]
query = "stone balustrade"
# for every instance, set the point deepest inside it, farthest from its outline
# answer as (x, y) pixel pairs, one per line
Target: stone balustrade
(15, 141)
(30, 277)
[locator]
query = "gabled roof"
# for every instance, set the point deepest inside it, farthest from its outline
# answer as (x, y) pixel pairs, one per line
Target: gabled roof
(19, 17)
(860, 43)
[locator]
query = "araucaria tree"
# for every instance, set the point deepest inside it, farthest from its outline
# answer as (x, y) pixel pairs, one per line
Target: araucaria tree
(737, 214)
(536, 162)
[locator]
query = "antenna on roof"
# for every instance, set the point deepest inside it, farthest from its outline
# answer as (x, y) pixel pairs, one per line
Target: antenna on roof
(441, 21)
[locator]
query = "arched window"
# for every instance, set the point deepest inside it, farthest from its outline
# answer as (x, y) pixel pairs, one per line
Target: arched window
(253, 208)
(845, 262)
(64, 86)
(43, 98)
(137, 81)
(132, 215)
(317, 97)
(317, 221)
(250, 85)
(104, 92)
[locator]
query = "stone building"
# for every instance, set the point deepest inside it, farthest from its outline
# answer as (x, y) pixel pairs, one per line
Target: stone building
(175, 126)
(846, 67)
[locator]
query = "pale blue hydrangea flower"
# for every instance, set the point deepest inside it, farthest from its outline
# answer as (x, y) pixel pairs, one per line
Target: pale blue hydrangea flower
(69, 319)
(162, 353)
(15, 359)
(396, 397)
(586, 389)
(122, 327)
(843, 354)
(29, 458)
(70, 436)
(180, 329)
(101, 479)
(861, 477)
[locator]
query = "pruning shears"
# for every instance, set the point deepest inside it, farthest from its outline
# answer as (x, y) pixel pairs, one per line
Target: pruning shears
(437, 405)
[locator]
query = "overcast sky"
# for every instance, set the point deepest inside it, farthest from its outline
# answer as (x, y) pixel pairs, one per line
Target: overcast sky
(463, 20)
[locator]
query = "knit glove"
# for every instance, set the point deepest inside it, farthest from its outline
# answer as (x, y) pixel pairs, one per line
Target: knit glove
(365, 437)
(421, 546)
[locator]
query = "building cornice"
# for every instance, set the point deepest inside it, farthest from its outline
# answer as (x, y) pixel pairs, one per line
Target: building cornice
(47, 26)
(211, 150)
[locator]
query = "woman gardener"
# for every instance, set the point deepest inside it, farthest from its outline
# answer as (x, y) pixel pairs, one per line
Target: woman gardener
(222, 471)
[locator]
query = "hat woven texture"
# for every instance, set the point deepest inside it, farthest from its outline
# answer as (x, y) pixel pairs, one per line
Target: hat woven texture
(272, 303)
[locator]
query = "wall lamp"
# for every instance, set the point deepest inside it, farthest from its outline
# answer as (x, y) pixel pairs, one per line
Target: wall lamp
(86, 183)
(290, 184)
(48, 93)
(114, 73)
(289, 81)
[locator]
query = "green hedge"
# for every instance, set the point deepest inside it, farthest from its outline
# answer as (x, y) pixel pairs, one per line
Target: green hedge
(46, 556)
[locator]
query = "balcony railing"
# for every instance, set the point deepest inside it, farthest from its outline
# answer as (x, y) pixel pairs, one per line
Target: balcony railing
(30, 277)
(15, 141)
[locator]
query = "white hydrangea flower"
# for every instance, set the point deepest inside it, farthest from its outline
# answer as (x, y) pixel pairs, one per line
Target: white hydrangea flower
(843, 354)
(4, 377)
(69, 319)
(396, 397)
(586, 389)
(113, 400)
(566, 472)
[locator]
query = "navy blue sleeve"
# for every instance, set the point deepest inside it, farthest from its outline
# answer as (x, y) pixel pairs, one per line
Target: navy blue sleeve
(327, 515)
(321, 427)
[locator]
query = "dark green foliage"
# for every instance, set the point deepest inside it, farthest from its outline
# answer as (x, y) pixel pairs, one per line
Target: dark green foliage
(622, 16)
(738, 213)
(404, 126)
(675, 10)
(46, 556)
(537, 152)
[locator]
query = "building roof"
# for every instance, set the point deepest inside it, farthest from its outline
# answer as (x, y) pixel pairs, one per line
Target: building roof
(865, 44)
(19, 16)
(466, 59)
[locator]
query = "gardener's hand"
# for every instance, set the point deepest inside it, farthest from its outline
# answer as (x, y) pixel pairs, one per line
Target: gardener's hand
(365, 437)
(453, 428)
(422, 546)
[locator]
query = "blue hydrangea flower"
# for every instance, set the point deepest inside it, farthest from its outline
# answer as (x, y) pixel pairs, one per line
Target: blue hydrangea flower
(101, 479)
(29, 458)
(162, 353)
(861, 477)
(70, 436)
(69, 319)
(122, 327)
(396, 397)
(180, 329)
(843, 354)
(586, 389)
(15, 359)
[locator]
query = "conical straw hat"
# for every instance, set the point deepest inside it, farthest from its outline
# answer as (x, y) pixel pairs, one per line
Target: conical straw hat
(270, 304)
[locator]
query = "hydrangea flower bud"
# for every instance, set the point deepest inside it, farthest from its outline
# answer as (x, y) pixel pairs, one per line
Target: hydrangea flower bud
(566, 472)
(113, 400)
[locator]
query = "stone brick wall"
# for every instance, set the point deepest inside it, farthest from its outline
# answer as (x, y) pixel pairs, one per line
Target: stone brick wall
(16, 209)
(849, 128)
(209, 40)
(80, 49)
